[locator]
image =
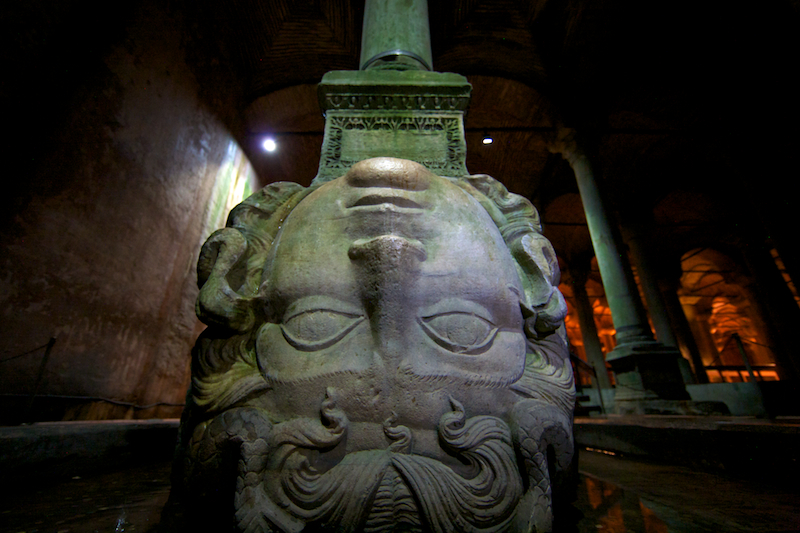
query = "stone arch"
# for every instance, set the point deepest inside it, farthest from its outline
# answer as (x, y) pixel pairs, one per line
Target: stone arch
(714, 291)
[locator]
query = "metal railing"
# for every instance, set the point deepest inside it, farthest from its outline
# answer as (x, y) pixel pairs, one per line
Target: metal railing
(579, 365)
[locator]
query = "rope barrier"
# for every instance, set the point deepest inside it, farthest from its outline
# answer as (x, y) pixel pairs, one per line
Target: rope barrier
(26, 353)
(96, 399)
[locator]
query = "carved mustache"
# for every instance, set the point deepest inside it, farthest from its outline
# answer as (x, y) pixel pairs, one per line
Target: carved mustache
(377, 489)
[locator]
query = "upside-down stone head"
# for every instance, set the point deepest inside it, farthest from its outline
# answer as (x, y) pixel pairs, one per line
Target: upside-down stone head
(385, 353)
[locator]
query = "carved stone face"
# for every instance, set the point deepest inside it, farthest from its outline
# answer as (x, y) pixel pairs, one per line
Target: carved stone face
(388, 360)
(388, 282)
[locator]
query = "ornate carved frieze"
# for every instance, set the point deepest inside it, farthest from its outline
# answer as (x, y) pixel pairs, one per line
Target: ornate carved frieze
(435, 139)
(411, 115)
(394, 102)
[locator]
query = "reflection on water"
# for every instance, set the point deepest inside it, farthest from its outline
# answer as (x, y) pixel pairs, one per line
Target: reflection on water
(607, 508)
(131, 499)
(128, 500)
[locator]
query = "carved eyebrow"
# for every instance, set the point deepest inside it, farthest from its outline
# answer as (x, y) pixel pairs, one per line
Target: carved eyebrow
(461, 305)
(378, 199)
(317, 302)
(287, 317)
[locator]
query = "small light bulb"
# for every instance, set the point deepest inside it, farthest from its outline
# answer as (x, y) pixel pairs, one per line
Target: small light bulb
(270, 145)
(488, 140)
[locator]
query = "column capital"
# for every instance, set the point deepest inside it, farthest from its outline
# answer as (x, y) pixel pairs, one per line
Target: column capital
(578, 270)
(565, 143)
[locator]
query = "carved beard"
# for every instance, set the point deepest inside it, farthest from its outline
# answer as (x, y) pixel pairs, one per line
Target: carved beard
(382, 490)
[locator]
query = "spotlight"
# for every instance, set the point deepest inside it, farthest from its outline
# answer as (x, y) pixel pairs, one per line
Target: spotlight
(269, 145)
(487, 139)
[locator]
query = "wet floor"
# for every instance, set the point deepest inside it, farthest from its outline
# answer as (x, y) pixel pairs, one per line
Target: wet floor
(605, 508)
(129, 500)
(615, 495)
(649, 496)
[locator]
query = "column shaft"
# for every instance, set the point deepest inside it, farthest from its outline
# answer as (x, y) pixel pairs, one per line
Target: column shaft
(698, 322)
(647, 373)
(777, 306)
(627, 311)
(591, 342)
(396, 35)
(683, 333)
(652, 294)
(656, 303)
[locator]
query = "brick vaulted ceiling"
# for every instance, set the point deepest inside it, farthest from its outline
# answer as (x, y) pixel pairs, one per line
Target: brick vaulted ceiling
(688, 109)
(682, 95)
(674, 99)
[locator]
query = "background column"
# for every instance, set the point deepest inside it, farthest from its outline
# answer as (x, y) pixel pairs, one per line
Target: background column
(656, 303)
(591, 342)
(646, 371)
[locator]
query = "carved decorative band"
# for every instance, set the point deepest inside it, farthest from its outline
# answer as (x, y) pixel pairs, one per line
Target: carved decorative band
(398, 102)
(434, 140)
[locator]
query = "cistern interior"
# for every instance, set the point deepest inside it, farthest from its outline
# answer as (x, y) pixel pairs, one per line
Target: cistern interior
(656, 141)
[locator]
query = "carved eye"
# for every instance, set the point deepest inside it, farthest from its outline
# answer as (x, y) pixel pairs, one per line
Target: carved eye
(460, 332)
(316, 329)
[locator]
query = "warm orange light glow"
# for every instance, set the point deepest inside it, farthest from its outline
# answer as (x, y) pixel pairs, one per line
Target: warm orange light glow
(718, 302)
(602, 317)
(768, 375)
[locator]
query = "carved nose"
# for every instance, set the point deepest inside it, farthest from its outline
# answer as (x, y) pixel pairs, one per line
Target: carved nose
(389, 172)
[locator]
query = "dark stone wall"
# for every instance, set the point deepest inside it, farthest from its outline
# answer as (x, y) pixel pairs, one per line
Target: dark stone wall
(119, 173)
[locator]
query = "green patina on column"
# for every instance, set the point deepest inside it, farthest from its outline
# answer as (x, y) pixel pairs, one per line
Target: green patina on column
(627, 312)
(395, 107)
(591, 342)
(656, 304)
(648, 375)
(396, 35)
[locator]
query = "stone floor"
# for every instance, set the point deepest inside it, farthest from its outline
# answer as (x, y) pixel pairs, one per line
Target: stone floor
(615, 495)
(128, 500)
(619, 494)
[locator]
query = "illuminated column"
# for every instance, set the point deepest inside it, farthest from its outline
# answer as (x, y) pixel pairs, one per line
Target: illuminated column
(768, 333)
(777, 306)
(683, 331)
(591, 342)
(395, 106)
(646, 371)
(656, 303)
(396, 35)
(697, 314)
(652, 295)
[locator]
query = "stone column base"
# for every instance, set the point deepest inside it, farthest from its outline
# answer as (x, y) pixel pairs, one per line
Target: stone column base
(647, 370)
(670, 407)
(649, 381)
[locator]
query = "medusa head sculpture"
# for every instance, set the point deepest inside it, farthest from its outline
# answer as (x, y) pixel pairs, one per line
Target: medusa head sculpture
(385, 352)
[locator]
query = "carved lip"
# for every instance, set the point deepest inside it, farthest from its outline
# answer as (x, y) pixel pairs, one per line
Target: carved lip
(382, 199)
